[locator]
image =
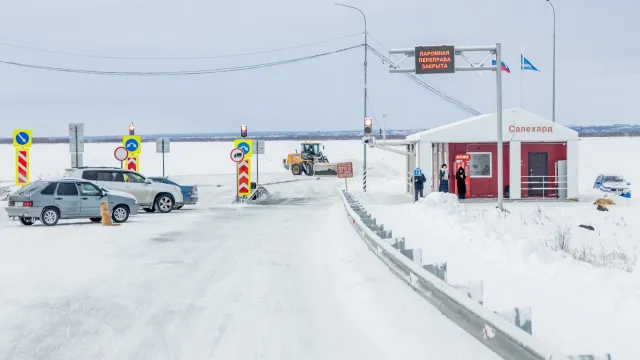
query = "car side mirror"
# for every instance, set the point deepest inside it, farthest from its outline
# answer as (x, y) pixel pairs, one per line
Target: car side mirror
(629, 183)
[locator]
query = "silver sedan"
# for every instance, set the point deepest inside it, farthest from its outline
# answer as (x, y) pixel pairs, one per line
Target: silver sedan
(65, 198)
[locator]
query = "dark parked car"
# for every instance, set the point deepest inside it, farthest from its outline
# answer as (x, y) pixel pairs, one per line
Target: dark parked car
(66, 198)
(189, 192)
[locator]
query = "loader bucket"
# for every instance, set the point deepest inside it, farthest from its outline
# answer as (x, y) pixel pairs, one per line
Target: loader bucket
(325, 169)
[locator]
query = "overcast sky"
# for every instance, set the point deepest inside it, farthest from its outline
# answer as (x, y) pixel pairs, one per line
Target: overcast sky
(597, 52)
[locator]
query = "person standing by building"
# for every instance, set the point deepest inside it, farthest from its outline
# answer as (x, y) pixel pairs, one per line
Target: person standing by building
(444, 179)
(418, 183)
(460, 180)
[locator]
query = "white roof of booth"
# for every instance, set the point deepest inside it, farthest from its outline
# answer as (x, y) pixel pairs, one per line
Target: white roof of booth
(517, 125)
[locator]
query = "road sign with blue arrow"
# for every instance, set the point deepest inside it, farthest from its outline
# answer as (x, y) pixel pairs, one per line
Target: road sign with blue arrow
(22, 138)
(132, 143)
(246, 145)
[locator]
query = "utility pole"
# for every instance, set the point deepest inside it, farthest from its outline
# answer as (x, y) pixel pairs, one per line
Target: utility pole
(364, 145)
(384, 121)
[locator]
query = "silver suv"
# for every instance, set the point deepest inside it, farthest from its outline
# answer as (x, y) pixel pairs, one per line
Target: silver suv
(66, 198)
(151, 196)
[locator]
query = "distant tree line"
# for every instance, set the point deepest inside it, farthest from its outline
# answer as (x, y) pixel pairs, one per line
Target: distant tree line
(44, 140)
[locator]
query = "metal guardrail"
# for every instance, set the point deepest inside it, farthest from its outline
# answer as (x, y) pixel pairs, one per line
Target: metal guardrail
(495, 332)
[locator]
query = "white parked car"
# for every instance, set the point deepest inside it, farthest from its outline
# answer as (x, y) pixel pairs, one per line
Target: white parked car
(613, 183)
(150, 195)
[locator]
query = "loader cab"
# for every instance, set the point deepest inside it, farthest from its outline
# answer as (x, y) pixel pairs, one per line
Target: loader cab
(310, 149)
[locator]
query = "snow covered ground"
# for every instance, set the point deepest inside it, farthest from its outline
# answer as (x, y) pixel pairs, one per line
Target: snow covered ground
(212, 281)
(578, 306)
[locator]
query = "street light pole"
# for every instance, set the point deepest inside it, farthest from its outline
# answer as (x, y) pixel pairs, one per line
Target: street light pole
(553, 111)
(364, 146)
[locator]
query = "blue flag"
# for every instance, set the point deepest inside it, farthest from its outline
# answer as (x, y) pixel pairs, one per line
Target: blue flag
(525, 64)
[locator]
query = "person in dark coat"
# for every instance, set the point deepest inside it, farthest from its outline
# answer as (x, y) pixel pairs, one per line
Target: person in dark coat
(418, 184)
(444, 179)
(462, 187)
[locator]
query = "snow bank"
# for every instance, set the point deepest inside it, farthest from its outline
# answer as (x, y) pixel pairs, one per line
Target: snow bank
(585, 299)
(444, 201)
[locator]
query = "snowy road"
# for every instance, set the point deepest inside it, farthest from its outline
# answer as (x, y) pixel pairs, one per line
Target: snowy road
(232, 282)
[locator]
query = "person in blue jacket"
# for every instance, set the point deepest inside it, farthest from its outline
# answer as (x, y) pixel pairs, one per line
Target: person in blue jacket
(418, 183)
(444, 179)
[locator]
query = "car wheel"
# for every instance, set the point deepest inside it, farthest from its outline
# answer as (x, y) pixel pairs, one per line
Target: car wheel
(95, 220)
(120, 214)
(50, 216)
(164, 203)
(27, 220)
(150, 210)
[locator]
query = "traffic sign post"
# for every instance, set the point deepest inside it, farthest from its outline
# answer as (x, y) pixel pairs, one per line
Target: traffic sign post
(259, 150)
(246, 145)
(22, 167)
(133, 144)
(163, 145)
(345, 171)
(236, 155)
(22, 138)
(133, 163)
(121, 154)
(244, 177)
(77, 160)
(76, 144)
(22, 141)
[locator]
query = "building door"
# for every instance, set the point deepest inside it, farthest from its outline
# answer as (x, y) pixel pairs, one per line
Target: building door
(538, 174)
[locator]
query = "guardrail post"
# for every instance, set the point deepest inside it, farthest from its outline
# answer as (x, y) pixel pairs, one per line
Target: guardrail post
(398, 243)
(605, 356)
(520, 317)
(472, 290)
(439, 270)
(414, 254)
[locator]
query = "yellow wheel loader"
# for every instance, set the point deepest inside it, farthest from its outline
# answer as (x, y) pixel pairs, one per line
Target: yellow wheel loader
(310, 161)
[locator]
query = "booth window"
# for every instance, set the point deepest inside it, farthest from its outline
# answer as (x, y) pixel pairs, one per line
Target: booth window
(480, 164)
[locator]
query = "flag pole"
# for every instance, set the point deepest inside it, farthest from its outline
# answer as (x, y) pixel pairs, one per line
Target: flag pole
(521, 74)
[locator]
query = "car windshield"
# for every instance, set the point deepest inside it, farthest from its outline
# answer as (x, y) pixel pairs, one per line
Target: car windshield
(311, 149)
(614, 178)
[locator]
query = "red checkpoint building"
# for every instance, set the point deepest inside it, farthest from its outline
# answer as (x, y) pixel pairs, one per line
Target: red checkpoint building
(540, 157)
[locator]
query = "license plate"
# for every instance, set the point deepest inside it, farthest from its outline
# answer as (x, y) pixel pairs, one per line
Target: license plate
(18, 203)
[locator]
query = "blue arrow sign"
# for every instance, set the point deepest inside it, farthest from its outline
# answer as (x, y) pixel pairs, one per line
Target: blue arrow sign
(22, 138)
(244, 147)
(131, 144)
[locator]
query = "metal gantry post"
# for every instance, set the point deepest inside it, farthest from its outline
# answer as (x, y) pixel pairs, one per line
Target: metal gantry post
(449, 63)
(499, 120)
(366, 48)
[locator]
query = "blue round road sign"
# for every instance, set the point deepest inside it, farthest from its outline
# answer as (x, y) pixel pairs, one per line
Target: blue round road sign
(22, 138)
(131, 145)
(244, 147)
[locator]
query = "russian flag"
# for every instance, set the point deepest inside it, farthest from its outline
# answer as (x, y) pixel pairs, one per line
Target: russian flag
(504, 66)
